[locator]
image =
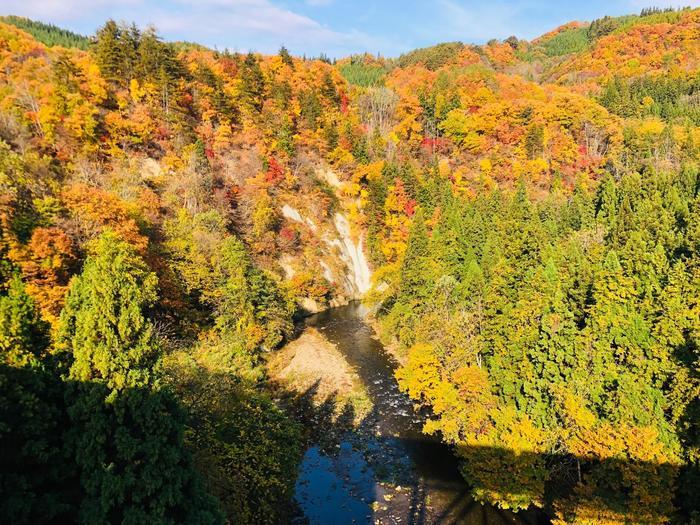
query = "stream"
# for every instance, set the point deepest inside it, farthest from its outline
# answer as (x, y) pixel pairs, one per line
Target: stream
(384, 471)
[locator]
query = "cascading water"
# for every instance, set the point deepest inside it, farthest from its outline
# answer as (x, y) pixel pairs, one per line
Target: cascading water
(356, 276)
(353, 255)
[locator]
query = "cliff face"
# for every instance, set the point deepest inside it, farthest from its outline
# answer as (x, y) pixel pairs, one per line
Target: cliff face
(331, 248)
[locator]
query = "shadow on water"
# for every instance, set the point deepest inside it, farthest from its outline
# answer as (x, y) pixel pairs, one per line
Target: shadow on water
(383, 468)
(351, 472)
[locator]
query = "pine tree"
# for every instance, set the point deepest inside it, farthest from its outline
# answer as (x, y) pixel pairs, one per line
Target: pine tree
(415, 264)
(607, 203)
(246, 300)
(286, 57)
(310, 109)
(103, 325)
(155, 60)
(134, 467)
(252, 83)
(39, 479)
(329, 90)
(126, 434)
(108, 51)
(23, 334)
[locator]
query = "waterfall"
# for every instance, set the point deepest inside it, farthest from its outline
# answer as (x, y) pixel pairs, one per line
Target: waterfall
(353, 255)
(357, 276)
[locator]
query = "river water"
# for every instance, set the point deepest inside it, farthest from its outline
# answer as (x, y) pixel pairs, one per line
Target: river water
(384, 470)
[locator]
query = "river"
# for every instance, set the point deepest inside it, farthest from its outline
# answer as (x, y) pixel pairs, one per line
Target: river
(384, 470)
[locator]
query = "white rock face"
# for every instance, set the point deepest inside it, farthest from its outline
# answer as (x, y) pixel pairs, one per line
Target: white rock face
(359, 274)
(291, 213)
(327, 273)
(330, 177)
(287, 264)
(150, 169)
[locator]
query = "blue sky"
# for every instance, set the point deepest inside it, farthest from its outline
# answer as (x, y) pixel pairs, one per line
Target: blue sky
(334, 27)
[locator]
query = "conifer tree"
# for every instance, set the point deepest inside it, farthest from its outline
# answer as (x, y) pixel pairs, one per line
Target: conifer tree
(252, 83)
(103, 325)
(415, 265)
(108, 51)
(329, 89)
(286, 57)
(126, 433)
(23, 336)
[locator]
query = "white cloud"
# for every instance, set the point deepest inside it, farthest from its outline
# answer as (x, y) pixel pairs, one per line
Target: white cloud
(479, 20)
(237, 24)
(262, 25)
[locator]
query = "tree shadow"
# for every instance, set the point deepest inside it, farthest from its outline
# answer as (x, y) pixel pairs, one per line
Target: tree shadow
(73, 451)
(51, 429)
(433, 490)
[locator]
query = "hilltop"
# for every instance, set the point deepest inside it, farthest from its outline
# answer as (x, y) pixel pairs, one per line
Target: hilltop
(523, 216)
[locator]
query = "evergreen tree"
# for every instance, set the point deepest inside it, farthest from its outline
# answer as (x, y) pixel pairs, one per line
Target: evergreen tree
(329, 89)
(252, 83)
(103, 325)
(23, 337)
(126, 435)
(39, 479)
(246, 300)
(311, 110)
(155, 61)
(415, 285)
(133, 464)
(286, 57)
(108, 51)
(48, 34)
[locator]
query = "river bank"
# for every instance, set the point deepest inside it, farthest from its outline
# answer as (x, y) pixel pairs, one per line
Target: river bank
(368, 465)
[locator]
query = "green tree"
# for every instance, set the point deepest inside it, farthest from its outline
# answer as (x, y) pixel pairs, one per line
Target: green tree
(286, 57)
(108, 51)
(246, 300)
(252, 83)
(329, 89)
(126, 433)
(23, 334)
(103, 325)
(415, 264)
(133, 465)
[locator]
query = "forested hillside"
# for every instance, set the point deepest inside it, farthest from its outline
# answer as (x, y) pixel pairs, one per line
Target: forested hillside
(529, 213)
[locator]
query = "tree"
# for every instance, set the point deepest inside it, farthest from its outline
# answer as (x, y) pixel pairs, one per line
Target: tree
(104, 325)
(154, 57)
(23, 334)
(329, 89)
(40, 479)
(252, 83)
(133, 465)
(108, 51)
(126, 434)
(286, 57)
(414, 267)
(247, 301)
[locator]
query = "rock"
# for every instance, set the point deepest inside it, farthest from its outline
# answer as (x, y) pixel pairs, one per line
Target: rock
(310, 305)
(150, 169)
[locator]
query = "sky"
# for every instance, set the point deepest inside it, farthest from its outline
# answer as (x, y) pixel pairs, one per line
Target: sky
(334, 27)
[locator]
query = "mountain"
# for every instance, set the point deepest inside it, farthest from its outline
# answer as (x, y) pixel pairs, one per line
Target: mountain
(523, 216)
(48, 34)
